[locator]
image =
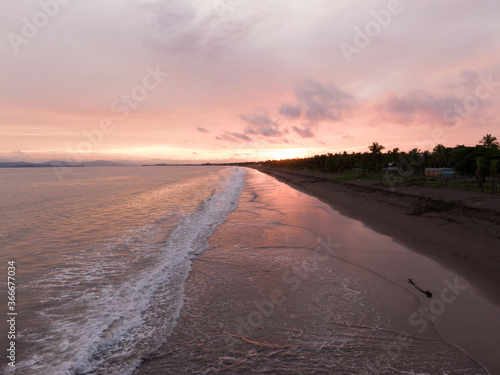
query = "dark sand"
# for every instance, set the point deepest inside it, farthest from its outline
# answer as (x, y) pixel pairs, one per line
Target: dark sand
(458, 228)
(274, 302)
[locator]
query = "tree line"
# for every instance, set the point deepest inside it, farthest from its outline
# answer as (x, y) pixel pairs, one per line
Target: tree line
(480, 161)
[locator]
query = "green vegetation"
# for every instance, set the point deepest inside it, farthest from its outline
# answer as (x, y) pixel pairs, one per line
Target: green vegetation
(354, 175)
(473, 166)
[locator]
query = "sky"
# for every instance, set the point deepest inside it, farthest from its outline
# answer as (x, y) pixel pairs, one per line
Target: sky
(244, 80)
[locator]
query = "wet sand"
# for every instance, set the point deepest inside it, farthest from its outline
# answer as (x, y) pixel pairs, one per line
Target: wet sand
(241, 318)
(290, 286)
(459, 229)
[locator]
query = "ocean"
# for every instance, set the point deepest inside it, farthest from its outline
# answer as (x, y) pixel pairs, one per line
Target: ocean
(170, 270)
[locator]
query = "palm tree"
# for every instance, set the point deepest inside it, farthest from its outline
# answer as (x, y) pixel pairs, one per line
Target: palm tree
(375, 148)
(489, 141)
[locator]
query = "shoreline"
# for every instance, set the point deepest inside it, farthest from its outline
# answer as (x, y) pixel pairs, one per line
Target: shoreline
(452, 227)
(265, 297)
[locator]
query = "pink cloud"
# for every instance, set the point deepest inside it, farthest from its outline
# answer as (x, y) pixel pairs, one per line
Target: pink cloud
(417, 107)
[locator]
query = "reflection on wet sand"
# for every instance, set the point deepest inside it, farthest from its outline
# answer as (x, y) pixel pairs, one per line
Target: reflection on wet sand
(272, 295)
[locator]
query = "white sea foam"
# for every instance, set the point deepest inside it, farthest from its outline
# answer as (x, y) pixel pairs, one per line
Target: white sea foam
(109, 327)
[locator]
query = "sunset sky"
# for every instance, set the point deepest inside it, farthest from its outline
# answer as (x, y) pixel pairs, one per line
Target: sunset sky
(198, 80)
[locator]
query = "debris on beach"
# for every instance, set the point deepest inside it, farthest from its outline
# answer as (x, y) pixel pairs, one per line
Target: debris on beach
(426, 292)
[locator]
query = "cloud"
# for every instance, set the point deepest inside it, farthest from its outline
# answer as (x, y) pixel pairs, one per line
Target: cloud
(290, 111)
(257, 119)
(323, 101)
(280, 141)
(315, 102)
(469, 79)
(241, 136)
(234, 137)
(304, 133)
(218, 62)
(416, 107)
(259, 124)
(202, 130)
(267, 131)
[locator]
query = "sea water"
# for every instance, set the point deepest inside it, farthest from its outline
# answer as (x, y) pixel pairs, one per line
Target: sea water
(103, 259)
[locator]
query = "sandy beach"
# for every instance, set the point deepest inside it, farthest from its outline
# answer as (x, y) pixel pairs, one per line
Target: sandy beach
(458, 228)
(272, 295)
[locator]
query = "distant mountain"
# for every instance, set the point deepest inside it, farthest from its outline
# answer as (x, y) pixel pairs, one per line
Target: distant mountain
(57, 163)
(102, 163)
(23, 164)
